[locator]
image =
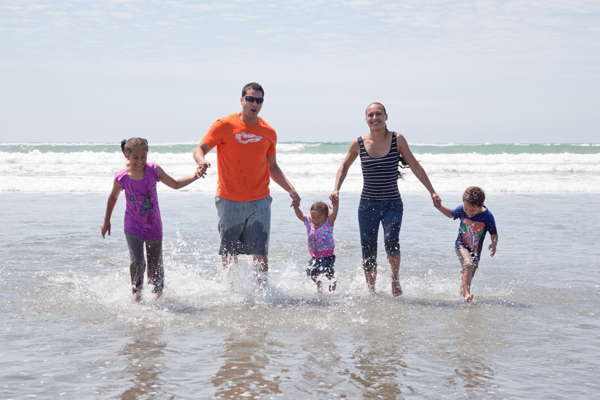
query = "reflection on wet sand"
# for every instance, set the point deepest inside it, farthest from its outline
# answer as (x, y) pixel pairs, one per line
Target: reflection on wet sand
(473, 373)
(241, 375)
(144, 354)
(319, 369)
(378, 366)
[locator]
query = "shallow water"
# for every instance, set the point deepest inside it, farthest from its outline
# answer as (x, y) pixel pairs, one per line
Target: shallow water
(72, 330)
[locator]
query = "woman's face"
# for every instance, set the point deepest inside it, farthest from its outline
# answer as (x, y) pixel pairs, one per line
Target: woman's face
(376, 117)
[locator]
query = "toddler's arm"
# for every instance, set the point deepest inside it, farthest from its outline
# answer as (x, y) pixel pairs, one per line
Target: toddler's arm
(298, 212)
(335, 202)
(110, 206)
(493, 245)
(174, 183)
(444, 210)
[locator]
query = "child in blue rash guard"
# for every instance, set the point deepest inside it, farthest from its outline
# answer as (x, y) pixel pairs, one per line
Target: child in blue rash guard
(475, 221)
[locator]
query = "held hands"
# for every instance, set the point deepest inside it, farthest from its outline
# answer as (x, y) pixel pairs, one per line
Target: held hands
(105, 228)
(334, 196)
(201, 170)
(437, 200)
(295, 199)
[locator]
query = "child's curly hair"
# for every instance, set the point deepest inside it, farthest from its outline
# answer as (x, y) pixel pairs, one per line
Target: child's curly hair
(320, 207)
(127, 145)
(475, 196)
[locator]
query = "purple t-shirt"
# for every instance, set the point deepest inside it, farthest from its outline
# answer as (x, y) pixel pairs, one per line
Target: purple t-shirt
(320, 241)
(142, 215)
(471, 232)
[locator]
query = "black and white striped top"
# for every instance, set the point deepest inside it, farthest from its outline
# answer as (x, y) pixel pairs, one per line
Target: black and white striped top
(380, 175)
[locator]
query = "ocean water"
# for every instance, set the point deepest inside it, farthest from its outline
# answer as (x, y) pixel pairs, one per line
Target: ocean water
(514, 168)
(72, 330)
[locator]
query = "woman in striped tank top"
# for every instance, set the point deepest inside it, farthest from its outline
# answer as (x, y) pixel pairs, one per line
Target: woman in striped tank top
(381, 152)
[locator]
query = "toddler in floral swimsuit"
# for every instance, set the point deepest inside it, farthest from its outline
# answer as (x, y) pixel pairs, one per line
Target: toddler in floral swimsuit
(319, 228)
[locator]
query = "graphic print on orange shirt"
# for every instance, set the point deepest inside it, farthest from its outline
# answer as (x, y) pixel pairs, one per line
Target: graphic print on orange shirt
(245, 138)
(472, 233)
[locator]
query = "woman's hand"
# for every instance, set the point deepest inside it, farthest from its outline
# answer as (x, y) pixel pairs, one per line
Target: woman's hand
(334, 196)
(437, 200)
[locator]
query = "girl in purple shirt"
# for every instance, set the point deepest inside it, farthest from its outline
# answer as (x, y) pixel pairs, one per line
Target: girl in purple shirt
(142, 215)
(319, 228)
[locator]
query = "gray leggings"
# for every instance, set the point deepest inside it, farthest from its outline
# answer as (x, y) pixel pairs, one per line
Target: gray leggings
(156, 273)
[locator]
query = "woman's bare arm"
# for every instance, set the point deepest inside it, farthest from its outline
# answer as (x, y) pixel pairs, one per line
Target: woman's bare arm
(415, 167)
(353, 152)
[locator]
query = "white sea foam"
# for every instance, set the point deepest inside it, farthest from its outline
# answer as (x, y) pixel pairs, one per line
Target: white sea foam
(88, 171)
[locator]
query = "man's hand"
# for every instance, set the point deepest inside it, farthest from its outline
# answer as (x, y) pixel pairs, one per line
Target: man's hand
(295, 198)
(201, 170)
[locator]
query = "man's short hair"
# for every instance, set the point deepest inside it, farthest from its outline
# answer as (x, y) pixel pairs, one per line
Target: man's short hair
(253, 86)
(475, 196)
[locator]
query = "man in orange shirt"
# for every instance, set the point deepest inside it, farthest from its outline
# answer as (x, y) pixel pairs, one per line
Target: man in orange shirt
(246, 161)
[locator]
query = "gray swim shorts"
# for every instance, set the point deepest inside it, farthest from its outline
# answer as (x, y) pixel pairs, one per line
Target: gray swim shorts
(244, 226)
(467, 259)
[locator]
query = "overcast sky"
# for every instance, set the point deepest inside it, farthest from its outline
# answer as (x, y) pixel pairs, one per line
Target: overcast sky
(447, 71)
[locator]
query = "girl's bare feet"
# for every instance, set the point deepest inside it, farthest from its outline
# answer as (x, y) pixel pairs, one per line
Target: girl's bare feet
(319, 287)
(469, 297)
(396, 289)
(158, 294)
(332, 286)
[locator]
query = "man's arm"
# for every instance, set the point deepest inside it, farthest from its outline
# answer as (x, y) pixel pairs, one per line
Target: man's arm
(279, 178)
(199, 153)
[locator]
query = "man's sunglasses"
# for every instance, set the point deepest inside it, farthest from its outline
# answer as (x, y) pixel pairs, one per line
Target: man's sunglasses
(252, 99)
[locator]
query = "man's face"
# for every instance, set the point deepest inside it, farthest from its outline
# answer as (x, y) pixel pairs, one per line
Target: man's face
(251, 108)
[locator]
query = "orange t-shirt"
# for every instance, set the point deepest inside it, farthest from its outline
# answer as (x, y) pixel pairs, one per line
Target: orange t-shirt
(242, 157)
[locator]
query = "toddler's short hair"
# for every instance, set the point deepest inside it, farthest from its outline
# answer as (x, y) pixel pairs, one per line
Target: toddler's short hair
(475, 196)
(320, 207)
